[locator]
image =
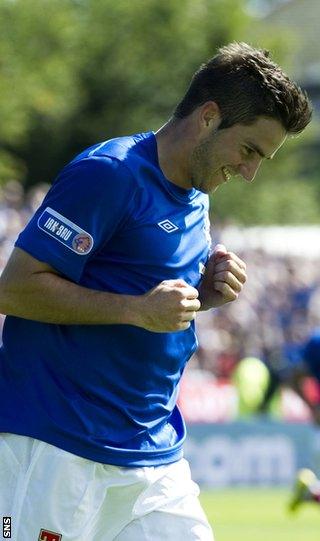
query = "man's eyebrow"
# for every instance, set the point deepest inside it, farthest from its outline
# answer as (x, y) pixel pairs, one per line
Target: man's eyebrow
(259, 151)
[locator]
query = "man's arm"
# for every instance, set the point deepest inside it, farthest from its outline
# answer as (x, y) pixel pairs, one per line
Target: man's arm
(33, 290)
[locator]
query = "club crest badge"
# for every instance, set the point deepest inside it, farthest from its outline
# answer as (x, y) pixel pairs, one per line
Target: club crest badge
(82, 243)
(47, 535)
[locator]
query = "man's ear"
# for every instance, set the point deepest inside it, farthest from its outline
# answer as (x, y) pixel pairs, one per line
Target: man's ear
(209, 115)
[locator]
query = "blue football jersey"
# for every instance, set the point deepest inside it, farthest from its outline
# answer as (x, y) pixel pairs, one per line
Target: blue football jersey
(110, 222)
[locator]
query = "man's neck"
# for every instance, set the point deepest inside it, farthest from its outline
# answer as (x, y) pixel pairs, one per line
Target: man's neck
(174, 148)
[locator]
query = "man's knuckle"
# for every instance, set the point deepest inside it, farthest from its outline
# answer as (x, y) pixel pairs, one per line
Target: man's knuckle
(230, 265)
(182, 303)
(179, 293)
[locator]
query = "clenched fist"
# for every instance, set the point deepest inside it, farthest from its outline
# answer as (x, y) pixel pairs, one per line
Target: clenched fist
(223, 279)
(168, 307)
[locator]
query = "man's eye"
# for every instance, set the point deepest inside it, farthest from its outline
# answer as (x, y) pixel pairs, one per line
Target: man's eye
(248, 151)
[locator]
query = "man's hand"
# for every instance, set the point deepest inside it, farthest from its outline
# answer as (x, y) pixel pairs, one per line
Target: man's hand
(223, 279)
(168, 307)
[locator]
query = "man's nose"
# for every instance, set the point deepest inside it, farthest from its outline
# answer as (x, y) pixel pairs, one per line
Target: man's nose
(249, 170)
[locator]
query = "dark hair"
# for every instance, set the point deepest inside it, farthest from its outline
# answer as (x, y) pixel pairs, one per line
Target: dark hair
(245, 83)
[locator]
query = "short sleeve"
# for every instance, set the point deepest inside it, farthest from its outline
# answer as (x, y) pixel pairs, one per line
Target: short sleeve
(87, 203)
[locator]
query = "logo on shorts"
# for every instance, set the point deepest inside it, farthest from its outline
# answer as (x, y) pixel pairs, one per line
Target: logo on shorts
(47, 535)
(168, 226)
(63, 230)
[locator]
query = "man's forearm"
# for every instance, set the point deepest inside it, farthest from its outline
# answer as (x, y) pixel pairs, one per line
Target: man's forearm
(32, 289)
(50, 298)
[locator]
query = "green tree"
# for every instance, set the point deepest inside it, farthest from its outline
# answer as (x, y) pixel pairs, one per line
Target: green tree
(73, 72)
(37, 78)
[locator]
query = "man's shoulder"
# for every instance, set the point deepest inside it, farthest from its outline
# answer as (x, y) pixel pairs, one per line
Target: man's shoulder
(127, 149)
(112, 161)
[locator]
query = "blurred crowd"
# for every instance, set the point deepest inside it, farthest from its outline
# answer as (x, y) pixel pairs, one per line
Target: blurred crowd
(275, 313)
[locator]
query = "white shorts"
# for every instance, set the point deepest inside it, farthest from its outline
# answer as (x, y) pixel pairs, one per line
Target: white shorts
(53, 495)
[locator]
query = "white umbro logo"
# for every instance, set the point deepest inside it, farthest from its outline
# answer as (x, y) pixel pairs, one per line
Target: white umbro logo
(168, 226)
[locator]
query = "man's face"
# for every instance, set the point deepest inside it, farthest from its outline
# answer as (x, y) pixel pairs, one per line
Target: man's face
(235, 151)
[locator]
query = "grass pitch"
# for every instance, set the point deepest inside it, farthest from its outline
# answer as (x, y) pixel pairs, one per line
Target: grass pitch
(259, 514)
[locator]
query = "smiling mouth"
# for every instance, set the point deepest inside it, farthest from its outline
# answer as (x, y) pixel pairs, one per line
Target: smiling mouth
(226, 173)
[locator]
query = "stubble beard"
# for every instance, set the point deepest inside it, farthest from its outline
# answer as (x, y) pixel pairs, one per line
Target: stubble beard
(201, 165)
